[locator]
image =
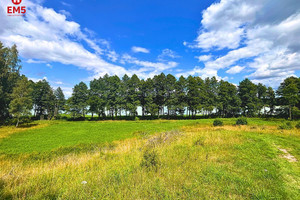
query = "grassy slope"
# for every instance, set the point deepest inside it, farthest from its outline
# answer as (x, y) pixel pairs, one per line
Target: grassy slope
(201, 162)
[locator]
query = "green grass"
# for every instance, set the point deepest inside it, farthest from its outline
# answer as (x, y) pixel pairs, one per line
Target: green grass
(197, 161)
(65, 134)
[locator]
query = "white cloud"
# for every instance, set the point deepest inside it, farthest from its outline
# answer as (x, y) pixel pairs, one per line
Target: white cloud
(47, 36)
(136, 49)
(67, 91)
(113, 56)
(235, 70)
(201, 72)
(58, 83)
(148, 69)
(48, 65)
(262, 38)
(34, 61)
(167, 53)
(204, 58)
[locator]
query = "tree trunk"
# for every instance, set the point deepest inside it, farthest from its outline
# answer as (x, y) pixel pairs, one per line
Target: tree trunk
(290, 112)
(158, 112)
(143, 111)
(18, 122)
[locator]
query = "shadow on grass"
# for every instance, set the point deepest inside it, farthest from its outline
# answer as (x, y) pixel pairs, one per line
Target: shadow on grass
(3, 194)
(28, 158)
(27, 125)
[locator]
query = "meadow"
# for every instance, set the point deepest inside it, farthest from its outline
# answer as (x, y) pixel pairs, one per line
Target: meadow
(159, 159)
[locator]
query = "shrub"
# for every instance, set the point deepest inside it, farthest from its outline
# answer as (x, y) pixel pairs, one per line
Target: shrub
(241, 121)
(218, 122)
(286, 126)
(136, 119)
(150, 159)
(298, 125)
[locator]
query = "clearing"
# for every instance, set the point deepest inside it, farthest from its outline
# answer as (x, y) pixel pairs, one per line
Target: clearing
(160, 159)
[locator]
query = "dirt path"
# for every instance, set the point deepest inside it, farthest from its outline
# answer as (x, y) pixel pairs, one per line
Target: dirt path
(287, 155)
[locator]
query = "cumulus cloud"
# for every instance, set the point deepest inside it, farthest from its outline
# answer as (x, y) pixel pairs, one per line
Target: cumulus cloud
(235, 70)
(203, 58)
(136, 49)
(45, 36)
(252, 33)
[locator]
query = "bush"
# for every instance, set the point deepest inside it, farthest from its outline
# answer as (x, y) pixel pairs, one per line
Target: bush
(136, 119)
(298, 125)
(150, 159)
(218, 122)
(286, 126)
(241, 121)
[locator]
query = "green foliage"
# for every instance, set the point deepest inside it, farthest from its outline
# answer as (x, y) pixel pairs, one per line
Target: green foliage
(21, 103)
(241, 121)
(218, 122)
(43, 99)
(150, 159)
(77, 104)
(136, 119)
(248, 96)
(115, 97)
(60, 101)
(289, 93)
(228, 100)
(297, 125)
(286, 126)
(9, 76)
(180, 94)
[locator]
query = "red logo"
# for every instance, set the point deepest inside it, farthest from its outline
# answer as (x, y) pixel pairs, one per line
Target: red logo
(16, 10)
(16, 2)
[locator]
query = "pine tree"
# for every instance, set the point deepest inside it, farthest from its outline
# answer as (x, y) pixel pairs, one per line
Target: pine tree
(289, 92)
(170, 93)
(43, 99)
(60, 101)
(133, 94)
(159, 83)
(180, 95)
(248, 95)
(261, 95)
(270, 100)
(228, 99)
(77, 104)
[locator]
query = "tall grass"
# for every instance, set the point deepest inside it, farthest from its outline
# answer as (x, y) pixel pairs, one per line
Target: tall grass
(196, 161)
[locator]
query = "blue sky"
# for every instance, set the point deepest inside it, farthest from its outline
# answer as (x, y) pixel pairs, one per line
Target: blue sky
(71, 41)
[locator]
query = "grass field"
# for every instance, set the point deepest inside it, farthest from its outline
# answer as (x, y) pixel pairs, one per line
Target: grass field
(160, 159)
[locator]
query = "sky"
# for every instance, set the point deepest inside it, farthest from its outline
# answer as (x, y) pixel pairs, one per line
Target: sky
(67, 42)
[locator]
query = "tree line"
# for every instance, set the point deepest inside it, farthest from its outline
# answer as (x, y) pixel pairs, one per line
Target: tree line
(162, 95)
